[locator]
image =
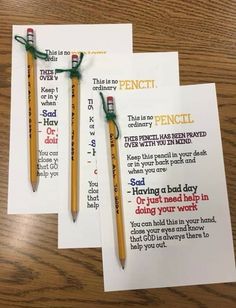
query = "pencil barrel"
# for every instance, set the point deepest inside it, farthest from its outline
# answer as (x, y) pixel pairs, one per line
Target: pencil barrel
(74, 145)
(32, 111)
(117, 192)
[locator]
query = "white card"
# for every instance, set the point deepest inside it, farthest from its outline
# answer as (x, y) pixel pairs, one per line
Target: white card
(59, 41)
(110, 74)
(175, 206)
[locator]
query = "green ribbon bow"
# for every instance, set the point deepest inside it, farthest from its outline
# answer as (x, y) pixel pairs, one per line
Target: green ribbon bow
(30, 48)
(74, 72)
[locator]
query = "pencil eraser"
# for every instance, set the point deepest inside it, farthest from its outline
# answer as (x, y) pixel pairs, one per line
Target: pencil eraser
(110, 98)
(30, 30)
(74, 57)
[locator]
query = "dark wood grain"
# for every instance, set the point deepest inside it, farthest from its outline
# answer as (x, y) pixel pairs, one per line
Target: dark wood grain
(33, 272)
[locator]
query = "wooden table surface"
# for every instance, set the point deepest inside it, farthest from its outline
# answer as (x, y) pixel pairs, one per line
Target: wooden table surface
(33, 272)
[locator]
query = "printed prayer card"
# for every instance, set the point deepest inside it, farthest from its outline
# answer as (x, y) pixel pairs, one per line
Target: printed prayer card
(59, 42)
(175, 213)
(110, 74)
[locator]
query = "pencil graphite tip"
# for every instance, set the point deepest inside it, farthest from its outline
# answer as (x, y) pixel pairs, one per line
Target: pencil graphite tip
(74, 216)
(122, 262)
(34, 186)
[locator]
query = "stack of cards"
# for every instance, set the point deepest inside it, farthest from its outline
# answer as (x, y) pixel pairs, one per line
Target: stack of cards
(151, 187)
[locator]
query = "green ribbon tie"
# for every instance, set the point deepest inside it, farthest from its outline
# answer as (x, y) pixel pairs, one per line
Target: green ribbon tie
(30, 48)
(74, 71)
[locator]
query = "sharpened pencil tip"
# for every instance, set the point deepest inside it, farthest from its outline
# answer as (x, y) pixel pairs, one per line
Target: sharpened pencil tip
(74, 216)
(122, 262)
(34, 186)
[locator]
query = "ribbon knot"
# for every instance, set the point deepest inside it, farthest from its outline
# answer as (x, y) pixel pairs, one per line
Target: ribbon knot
(30, 48)
(74, 71)
(110, 116)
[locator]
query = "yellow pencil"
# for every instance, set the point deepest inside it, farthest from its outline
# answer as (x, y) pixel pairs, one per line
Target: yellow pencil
(116, 184)
(74, 142)
(75, 133)
(32, 105)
